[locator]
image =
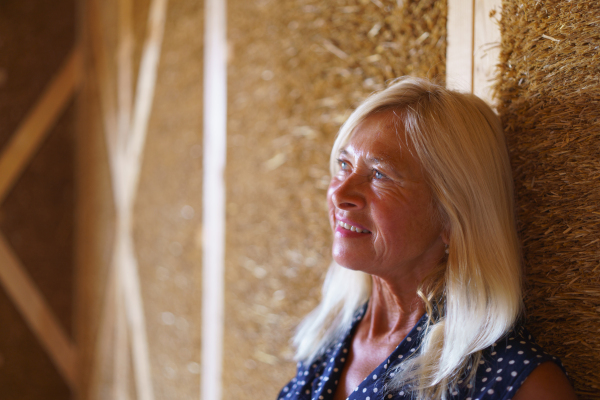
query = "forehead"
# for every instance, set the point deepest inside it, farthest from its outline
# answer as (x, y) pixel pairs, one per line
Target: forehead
(381, 137)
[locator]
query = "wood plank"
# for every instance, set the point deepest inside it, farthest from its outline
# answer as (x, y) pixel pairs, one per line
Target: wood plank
(145, 90)
(32, 131)
(105, 338)
(120, 351)
(130, 289)
(125, 136)
(105, 82)
(121, 364)
(133, 154)
(213, 198)
(486, 54)
(125, 67)
(459, 50)
(39, 316)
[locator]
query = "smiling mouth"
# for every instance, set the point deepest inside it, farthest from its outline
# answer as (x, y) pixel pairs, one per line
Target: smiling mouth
(351, 228)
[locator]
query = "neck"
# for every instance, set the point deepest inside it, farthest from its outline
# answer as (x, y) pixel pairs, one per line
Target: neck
(392, 311)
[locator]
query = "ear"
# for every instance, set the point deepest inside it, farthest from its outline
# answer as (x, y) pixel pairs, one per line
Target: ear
(446, 235)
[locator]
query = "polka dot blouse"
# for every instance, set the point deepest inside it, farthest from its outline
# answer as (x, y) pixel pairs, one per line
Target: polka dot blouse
(503, 369)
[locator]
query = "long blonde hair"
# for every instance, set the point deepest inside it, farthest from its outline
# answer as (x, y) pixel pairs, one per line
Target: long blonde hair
(460, 143)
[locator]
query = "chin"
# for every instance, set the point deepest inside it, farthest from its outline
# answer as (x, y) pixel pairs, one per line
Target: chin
(345, 260)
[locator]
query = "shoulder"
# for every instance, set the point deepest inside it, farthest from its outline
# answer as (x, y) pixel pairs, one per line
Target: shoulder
(546, 382)
(519, 351)
(518, 366)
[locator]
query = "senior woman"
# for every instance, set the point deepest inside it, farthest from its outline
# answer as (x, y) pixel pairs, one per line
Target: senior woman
(423, 299)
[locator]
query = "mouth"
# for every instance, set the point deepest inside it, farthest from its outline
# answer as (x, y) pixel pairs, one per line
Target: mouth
(351, 227)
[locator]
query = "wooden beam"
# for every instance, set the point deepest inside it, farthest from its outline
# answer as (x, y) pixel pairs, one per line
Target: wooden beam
(32, 131)
(213, 197)
(130, 290)
(125, 67)
(121, 366)
(121, 358)
(144, 94)
(104, 347)
(459, 49)
(473, 49)
(486, 52)
(130, 150)
(125, 131)
(37, 314)
(106, 92)
(133, 153)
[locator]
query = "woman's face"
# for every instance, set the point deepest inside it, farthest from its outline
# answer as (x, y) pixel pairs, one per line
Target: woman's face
(381, 190)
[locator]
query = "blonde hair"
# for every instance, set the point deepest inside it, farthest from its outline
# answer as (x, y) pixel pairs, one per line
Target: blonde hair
(477, 296)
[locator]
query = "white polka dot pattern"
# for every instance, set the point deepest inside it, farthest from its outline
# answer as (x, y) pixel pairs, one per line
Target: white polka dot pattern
(502, 370)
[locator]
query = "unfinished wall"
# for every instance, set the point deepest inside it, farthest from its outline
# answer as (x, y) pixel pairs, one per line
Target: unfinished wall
(550, 96)
(36, 216)
(166, 213)
(296, 70)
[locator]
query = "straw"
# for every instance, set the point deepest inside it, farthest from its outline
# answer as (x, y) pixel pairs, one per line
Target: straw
(549, 91)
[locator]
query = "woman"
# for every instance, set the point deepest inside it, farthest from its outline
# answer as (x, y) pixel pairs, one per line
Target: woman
(424, 296)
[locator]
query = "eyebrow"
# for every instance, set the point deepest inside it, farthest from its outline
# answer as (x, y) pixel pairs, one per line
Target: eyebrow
(382, 160)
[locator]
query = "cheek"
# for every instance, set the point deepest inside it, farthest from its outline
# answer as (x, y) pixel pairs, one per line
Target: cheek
(330, 205)
(334, 184)
(393, 227)
(402, 222)
(329, 193)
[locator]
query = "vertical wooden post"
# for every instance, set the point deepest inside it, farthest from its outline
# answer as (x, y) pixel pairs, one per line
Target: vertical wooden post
(459, 49)
(213, 215)
(473, 48)
(121, 365)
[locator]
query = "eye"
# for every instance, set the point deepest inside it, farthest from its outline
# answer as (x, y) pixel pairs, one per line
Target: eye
(378, 175)
(344, 166)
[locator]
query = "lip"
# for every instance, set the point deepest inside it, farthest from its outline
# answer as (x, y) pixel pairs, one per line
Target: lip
(345, 233)
(350, 222)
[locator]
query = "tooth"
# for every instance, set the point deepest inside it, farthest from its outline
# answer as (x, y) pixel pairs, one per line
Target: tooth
(359, 230)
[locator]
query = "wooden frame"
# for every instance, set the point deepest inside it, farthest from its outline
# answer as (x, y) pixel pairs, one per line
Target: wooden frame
(16, 155)
(473, 48)
(125, 128)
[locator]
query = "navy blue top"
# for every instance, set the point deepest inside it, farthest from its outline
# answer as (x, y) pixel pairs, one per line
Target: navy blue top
(502, 370)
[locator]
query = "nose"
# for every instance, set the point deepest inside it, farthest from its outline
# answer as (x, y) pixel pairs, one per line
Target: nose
(348, 193)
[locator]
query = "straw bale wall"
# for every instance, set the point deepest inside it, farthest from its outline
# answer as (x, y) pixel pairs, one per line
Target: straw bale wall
(296, 68)
(166, 214)
(549, 90)
(36, 216)
(169, 208)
